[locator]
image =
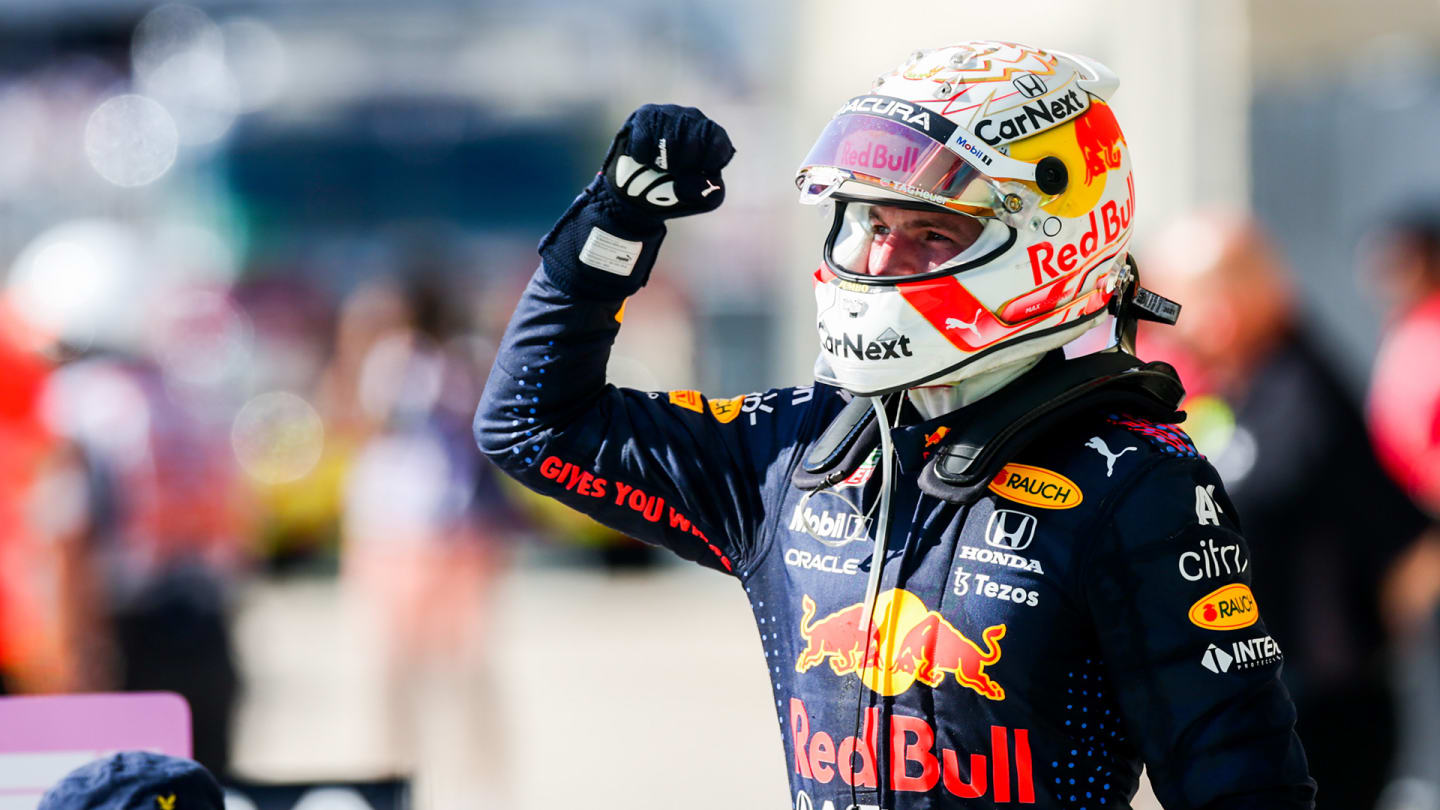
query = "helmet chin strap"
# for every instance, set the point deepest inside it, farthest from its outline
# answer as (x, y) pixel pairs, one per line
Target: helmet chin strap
(937, 399)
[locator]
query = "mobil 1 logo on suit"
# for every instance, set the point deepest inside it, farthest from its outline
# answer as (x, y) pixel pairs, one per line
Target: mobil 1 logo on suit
(834, 521)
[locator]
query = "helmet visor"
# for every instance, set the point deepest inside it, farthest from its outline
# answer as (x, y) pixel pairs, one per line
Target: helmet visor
(891, 155)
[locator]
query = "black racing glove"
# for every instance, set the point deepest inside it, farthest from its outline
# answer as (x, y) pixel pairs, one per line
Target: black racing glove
(665, 162)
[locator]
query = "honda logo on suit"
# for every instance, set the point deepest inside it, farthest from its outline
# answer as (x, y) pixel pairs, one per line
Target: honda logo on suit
(1009, 529)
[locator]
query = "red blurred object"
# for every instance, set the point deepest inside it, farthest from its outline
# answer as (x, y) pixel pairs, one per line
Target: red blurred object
(1154, 343)
(29, 639)
(1405, 402)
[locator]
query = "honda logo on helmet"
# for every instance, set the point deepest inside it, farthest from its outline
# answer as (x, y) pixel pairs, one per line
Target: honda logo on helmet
(1030, 85)
(1009, 529)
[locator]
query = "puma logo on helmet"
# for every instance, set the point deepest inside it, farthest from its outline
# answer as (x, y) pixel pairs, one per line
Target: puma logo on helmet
(956, 323)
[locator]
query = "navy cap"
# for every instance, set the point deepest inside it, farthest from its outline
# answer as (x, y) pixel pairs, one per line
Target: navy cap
(136, 780)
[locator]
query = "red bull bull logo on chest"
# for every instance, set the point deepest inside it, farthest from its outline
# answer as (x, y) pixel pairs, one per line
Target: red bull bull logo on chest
(902, 642)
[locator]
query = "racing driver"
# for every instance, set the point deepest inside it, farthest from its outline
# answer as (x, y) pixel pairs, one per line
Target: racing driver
(984, 574)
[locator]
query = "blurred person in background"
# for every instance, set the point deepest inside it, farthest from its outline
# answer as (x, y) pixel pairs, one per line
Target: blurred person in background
(1404, 261)
(423, 531)
(148, 494)
(1326, 526)
(298, 514)
(36, 630)
(143, 498)
(1401, 259)
(1022, 636)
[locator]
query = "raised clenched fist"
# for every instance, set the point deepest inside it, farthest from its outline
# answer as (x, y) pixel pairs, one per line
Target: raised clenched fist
(666, 161)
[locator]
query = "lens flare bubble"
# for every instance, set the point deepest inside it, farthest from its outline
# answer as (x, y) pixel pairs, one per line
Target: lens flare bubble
(200, 338)
(131, 140)
(277, 437)
(169, 31)
(199, 92)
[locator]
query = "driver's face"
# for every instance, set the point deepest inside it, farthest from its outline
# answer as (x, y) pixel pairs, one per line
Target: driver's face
(908, 242)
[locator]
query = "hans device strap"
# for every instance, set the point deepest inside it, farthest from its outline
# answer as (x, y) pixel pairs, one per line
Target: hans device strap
(984, 435)
(981, 443)
(841, 448)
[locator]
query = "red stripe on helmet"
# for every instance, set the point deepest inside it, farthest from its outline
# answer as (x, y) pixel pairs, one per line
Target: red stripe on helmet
(955, 313)
(1052, 295)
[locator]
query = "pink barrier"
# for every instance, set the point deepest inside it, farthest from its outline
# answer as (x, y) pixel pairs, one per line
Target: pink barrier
(44, 737)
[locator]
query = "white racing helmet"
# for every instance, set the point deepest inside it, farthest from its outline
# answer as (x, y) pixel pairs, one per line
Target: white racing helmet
(1018, 140)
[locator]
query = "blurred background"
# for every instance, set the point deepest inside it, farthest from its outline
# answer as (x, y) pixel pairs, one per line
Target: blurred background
(256, 255)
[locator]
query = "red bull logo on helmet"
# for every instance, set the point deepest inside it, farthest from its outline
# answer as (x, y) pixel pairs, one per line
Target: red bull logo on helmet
(1092, 147)
(864, 153)
(1048, 261)
(902, 642)
(1098, 136)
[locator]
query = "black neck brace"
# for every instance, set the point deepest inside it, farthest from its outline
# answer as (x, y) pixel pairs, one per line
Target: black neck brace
(985, 434)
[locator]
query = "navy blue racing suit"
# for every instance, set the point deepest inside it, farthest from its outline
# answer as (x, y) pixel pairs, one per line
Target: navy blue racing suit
(1090, 613)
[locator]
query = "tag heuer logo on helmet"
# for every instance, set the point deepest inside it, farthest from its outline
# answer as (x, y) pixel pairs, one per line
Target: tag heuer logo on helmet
(1031, 118)
(888, 344)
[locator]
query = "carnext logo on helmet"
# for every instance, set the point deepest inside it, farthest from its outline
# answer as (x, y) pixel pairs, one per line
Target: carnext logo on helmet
(917, 118)
(887, 345)
(1032, 118)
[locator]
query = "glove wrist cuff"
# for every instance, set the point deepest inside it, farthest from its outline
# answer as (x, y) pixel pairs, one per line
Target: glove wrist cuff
(602, 247)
